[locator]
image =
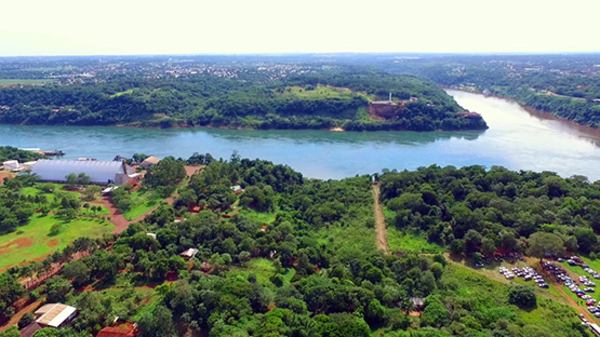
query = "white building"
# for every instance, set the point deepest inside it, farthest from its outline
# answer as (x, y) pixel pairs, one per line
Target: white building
(11, 165)
(100, 172)
(54, 315)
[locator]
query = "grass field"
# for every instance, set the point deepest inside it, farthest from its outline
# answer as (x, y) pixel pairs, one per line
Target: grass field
(32, 241)
(399, 240)
(549, 318)
(258, 217)
(323, 92)
(22, 81)
(143, 202)
(126, 92)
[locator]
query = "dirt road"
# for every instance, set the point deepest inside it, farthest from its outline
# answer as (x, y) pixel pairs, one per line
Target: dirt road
(380, 230)
(575, 305)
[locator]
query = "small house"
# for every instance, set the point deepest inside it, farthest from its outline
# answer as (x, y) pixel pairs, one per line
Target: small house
(189, 253)
(418, 303)
(150, 161)
(152, 235)
(237, 189)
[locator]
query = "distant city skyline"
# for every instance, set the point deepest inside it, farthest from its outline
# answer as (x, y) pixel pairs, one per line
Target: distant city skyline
(111, 27)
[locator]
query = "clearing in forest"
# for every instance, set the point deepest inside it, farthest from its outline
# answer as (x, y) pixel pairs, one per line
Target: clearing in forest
(382, 243)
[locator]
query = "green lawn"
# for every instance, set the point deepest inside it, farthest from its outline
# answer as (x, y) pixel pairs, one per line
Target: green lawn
(126, 92)
(323, 92)
(258, 217)
(399, 240)
(143, 202)
(32, 241)
(22, 81)
(262, 268)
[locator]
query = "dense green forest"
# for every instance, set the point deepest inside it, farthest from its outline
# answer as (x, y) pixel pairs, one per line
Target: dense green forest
(292, 256)
(318, 98)
(13, 153)
(472, 210)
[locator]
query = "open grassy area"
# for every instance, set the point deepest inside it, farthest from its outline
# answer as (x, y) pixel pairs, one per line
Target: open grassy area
(126, 92)
(22, 81)
(32, 241)
(549, 318)
(258, 217)
(142, 203)
(399, 240)
(324, 92)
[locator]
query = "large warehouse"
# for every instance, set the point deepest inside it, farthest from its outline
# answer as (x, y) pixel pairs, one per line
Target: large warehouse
(100, 172)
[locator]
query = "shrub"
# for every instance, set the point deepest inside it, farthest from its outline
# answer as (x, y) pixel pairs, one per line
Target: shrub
(522, 296)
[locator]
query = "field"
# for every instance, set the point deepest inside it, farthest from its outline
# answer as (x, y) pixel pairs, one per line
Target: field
(324, 92)
(263, 269)
(142, 203)
(32, 241)
(126, 92)
(399, 240)
(22, 81)
(128, 303)
(549, 318)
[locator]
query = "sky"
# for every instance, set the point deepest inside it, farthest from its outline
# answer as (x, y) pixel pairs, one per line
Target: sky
(125, 27)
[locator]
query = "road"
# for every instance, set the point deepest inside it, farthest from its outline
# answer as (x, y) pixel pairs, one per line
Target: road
(380, 230)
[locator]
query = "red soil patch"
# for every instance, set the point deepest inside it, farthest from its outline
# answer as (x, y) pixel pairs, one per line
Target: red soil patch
(53, 243)
(20, 242)
(146, 300)
(14, 320)
(4, 175)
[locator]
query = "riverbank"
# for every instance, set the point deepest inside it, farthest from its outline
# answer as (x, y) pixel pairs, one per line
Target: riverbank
(543, 115)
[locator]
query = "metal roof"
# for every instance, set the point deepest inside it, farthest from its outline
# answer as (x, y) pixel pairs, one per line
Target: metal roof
(54, 314)
(100, 172)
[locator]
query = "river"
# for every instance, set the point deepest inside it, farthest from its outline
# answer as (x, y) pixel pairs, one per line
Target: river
(516, 139)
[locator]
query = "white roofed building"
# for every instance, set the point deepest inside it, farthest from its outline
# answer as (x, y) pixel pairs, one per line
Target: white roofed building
(54, 315)
(100, 172)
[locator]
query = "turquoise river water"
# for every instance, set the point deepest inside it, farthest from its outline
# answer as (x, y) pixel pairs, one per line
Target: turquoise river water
(517, 139)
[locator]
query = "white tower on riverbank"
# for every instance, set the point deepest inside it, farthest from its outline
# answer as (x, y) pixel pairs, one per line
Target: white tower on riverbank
(390, 97)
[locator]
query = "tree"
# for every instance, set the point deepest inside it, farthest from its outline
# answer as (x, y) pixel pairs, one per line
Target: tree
(488, 246)
(27, 319)
(83, 179)
(72, 179)
(522, 296)
(168, 172)
(91, 192)
(57, 289)
(78, 271)
(12, 331)
(472, 241)
(542, 244)
(158, 323)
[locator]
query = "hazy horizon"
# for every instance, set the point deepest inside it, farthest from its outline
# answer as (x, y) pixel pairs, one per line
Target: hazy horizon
(270, 27)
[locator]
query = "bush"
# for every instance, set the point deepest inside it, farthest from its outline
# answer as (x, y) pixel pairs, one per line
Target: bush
(522, 296)
(26, 320)
(55, 229)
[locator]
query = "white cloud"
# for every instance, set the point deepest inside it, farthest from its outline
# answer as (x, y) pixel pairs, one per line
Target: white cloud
(60, 27)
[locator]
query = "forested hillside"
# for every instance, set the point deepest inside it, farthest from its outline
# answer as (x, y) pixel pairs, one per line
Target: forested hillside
(314, 98)
(567, 86)
(291, 256)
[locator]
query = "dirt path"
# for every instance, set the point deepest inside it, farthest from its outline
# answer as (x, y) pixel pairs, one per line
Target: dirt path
(14, 320)
(118, 219)
(380, 230)
(574, 304)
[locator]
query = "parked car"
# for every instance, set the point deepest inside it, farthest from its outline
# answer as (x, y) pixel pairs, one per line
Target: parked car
(543, 285)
